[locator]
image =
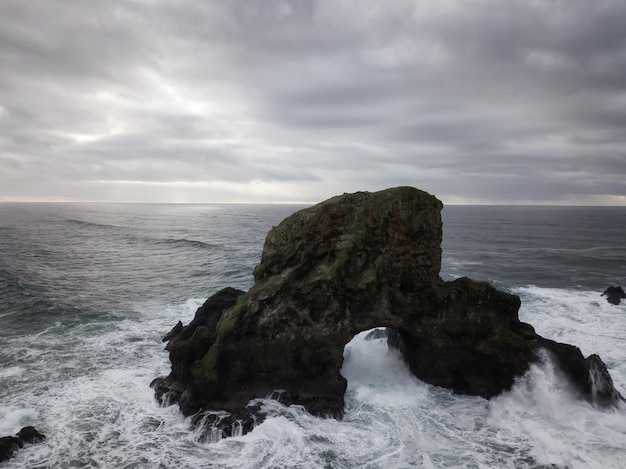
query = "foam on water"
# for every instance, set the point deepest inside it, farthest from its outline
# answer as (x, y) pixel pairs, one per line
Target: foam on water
(98, 411)
(11, 371)
(580, 317)
(92, 396)
(559, 428)
(13, 418)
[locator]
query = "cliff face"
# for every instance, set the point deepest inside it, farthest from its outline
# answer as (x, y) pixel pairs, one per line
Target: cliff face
(328, 272)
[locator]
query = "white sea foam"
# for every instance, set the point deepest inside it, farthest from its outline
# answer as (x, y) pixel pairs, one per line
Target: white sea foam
(11, 372)
(98, 411)
(582, 318)
(14, 418)
(560, 428)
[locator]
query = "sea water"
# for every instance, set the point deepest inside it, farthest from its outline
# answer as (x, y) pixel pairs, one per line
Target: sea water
(87, 291)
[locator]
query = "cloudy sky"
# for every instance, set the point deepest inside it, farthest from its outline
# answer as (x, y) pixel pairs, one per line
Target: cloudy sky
(475, 101)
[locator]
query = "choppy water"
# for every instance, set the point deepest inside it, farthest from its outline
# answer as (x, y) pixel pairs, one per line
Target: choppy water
(87, 292)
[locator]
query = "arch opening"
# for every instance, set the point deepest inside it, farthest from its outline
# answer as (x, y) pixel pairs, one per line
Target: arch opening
(368, 356)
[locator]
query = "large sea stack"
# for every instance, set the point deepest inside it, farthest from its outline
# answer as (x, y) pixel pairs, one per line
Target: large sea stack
(352, 263)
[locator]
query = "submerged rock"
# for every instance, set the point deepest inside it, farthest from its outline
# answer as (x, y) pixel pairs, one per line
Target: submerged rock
(614, 295)
(349, 264)
(9, 445)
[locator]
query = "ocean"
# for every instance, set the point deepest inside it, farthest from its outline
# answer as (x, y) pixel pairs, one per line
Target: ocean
(87, 291)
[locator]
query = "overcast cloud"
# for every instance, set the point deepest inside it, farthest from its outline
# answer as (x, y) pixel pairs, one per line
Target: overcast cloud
(477, 101)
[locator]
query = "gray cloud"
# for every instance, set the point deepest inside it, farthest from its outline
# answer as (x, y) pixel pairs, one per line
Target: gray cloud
(297, 100)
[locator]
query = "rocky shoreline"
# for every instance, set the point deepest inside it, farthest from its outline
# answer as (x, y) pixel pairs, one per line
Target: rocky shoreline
(349, 264)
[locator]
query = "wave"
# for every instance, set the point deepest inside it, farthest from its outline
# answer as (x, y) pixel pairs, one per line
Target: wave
(143, 239)
(89, 224)
(559, 428)
(453, 261)
(581, 317)
(12, 419)
(183, 242)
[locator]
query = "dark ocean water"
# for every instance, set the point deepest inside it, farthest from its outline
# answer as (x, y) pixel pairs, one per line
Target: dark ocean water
(87, 292)
(550, 247)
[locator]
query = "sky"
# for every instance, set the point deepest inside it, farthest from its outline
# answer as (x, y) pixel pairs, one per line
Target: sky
(270, 101)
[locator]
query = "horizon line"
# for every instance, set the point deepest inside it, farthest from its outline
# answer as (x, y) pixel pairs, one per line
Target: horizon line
(451, 204)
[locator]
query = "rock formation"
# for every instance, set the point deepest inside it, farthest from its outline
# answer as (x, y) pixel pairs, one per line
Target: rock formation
(349, 264)
(614, 295)
(10, 444)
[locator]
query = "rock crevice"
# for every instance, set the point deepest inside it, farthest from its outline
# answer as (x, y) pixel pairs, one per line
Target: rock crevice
(352, 263)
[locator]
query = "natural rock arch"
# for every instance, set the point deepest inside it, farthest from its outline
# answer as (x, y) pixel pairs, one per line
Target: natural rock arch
(328, 272)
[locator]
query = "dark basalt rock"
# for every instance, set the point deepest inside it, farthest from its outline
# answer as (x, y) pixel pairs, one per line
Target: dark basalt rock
(474, 345)
(590, 376)
(349, 264)
(30, 435)
(188, 345)
(174, 332)
(603, 391)
(614, 295)
(9, 445)
(216, 425)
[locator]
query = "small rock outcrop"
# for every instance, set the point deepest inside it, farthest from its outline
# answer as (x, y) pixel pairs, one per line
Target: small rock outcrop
(602, 390)
(614, 295)
(9, 445)
(352, 263)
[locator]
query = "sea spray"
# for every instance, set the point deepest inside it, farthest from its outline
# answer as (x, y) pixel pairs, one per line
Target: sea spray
(602, 390)
(557, 426)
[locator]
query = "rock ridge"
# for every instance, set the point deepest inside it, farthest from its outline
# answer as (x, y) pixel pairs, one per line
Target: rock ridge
(352, 263)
